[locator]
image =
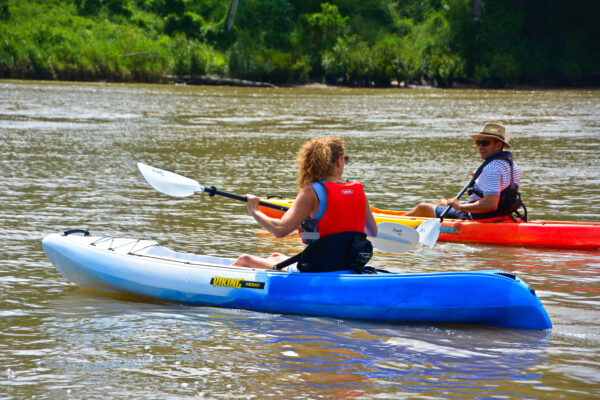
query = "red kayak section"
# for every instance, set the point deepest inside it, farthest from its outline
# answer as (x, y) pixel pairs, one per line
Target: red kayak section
(533, 233)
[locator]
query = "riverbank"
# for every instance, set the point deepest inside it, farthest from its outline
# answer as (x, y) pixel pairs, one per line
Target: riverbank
(214, 81)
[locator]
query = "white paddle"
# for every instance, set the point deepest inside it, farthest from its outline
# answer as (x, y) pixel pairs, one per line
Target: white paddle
(391, 237)
(179, 186)
(429, 230)
(394, 238)
(169, 183)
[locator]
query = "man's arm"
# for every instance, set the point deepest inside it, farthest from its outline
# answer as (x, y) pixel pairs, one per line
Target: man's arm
(486, 204)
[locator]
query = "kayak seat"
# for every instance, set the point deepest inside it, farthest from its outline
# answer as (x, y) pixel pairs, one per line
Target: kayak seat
(337, 252)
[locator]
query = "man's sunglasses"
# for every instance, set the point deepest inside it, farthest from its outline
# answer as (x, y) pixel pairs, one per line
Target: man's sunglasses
(483, 142)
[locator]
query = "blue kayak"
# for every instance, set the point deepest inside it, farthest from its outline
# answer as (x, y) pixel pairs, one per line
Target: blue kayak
(145, 268)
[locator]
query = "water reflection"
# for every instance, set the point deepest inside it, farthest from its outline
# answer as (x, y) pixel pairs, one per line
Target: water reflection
(231, 352)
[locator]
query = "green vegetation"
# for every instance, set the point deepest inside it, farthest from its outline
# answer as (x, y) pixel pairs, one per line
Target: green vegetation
(348, 42)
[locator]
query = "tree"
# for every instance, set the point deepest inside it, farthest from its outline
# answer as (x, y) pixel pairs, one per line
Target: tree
(475, 9)
(320, 32)
(231, 14)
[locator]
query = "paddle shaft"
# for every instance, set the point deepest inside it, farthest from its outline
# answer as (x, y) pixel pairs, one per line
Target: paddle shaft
(457, 197)
(179, 186)
(212, 191)
(395, 238)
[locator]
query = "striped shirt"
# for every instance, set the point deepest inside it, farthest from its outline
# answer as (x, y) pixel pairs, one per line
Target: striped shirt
(495, 177)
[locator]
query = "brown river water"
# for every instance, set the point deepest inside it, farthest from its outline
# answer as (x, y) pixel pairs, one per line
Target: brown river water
(68, 161)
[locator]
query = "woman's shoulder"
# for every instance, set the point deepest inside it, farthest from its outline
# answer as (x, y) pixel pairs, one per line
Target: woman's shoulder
(307, 192)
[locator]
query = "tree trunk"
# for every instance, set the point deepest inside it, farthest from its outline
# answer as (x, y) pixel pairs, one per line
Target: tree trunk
(231, 14)
(475, 9)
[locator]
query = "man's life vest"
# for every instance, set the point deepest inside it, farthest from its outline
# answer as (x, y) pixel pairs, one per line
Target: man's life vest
(510, 198)
(335, 235)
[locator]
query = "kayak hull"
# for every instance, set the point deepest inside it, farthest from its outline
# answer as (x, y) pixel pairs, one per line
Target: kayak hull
(494, 231)
(144, 268)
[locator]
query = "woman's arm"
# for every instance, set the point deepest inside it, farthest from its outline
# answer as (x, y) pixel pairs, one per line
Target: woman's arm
(370, 224)
(302, 208)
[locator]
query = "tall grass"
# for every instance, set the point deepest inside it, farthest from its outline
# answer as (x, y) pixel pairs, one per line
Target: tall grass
(64, 45)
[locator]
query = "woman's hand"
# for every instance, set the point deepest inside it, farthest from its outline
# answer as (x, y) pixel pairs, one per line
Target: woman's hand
(252, 203)
(305, 203)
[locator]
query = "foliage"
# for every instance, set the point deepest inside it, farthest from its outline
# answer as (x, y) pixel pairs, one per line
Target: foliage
(66, 45)
(549, 42)
(439, 62)
(4, 10)
(109, 7)
(350, 42)
(270, 21)
(248, 60)
(194, 58)
(319, 32)
(188, 23)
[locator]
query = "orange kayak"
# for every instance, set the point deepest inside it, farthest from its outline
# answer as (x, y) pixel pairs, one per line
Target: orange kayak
(493, 231)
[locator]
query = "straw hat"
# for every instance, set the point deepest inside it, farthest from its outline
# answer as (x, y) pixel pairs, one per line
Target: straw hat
(494, 130)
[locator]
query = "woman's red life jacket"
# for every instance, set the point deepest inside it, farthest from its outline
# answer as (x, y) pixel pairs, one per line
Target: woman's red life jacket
(344, 205)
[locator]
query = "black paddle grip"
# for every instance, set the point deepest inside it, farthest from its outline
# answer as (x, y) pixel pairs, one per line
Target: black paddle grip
(212, 191)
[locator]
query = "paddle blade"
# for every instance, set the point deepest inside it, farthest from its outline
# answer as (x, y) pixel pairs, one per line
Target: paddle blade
(169, 183)
(429, 231)
(394, 238)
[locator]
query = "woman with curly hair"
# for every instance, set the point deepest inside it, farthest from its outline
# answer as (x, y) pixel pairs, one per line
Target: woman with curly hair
(326, 204)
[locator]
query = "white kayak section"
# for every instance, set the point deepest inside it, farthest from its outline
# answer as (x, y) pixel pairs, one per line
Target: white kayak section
(145, 268)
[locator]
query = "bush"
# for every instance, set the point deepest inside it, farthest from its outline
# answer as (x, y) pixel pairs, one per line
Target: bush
(392, 57)
(188, 23)
(191, 57)
(109, 7)
(249, 60)
(62, 45)
(4, 10)
(500, 71)
(349, 62)
(444, 69)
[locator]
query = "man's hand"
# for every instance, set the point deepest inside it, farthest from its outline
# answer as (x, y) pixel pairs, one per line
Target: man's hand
(457, 205)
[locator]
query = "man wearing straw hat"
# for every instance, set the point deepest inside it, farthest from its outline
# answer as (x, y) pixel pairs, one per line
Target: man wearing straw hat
(493, 190)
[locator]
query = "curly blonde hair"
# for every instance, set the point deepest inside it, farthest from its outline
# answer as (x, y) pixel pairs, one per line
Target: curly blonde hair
(316, 158)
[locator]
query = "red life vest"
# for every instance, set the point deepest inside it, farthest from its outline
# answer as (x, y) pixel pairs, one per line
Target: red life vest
(345, 211)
